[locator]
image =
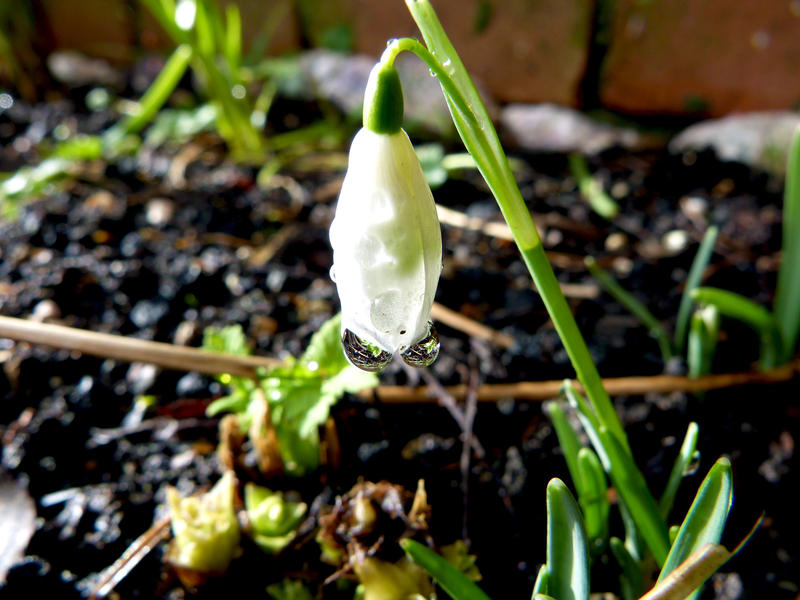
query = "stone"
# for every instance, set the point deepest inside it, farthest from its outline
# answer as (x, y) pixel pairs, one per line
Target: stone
(760, 140)
(552, 128)
(707, 57)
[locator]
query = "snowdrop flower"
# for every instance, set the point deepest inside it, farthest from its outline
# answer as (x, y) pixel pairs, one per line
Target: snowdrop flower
(387, 245)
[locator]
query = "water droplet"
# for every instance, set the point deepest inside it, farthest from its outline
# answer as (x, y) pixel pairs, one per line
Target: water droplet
(364, 355)
(332, 274)
(446, 64)
(433, 74)
(425, 351)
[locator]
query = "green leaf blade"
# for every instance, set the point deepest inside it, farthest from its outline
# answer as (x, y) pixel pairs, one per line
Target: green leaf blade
(787, 293)
(567, 547)
(631, 485)
(706, 518)
(452, 581)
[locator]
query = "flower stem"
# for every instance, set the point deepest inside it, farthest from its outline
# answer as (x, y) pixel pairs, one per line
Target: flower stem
(480, 138)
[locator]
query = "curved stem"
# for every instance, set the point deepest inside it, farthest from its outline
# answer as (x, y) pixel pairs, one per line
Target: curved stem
(480, 138)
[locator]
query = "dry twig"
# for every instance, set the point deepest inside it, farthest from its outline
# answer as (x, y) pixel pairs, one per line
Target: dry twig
(615, 386)
(128, 349)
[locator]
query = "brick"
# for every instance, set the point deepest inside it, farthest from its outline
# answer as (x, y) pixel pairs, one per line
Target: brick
(526, 52)
(710, 57)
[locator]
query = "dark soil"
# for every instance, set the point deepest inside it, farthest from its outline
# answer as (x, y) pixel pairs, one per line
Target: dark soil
(120, 250)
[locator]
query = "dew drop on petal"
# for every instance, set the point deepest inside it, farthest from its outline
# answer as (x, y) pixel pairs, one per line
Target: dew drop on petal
(364, 355)
(425, 351)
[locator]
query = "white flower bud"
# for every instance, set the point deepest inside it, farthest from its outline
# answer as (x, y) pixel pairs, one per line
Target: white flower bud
(387, 247)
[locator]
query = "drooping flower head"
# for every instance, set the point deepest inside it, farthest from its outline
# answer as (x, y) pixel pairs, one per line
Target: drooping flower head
(387, 245)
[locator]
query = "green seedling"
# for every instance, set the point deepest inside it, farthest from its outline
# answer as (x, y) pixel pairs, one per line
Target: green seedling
(274, 519)
(702, 342)
(591, 189)
(778, 329)
(736, 306)
(204, 528)
(300, 392)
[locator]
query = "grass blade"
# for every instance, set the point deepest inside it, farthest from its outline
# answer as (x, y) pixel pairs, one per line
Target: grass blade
(593, 499)
(756, 316)
(587, 475)
(632, 305)
(156, 95)
(706, 518)
(591, 189)
(686, 456)
(452, 581)
(699, 265)
(703, 335)
(567, 551)
(540, 585)
(787, 293)
(567, 439)
(631, 578)
(631, 485)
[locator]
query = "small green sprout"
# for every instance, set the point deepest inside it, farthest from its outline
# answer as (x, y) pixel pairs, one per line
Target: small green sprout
(204, 528)
(300, 392)
(401, 580)
(274, 519)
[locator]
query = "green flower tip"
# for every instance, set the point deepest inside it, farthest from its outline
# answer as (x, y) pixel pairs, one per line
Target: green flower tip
(383, 100)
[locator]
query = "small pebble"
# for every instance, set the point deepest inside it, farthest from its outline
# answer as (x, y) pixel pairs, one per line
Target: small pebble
(159, 211)
(616, 242)
(45, 310)
(675, 241)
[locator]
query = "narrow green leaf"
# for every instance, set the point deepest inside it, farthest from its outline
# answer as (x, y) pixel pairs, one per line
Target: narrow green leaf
(593, 499)
(155, 96)
(703, 335)
(699, 265)
(567, 549)
(632, 578)
(631, 485)
(706, 518)
(591, 189)
(756, 316)
(686, 456)
(787, 293)
(452, 581)
(540, 585)
(589, 420)
(633, 305)
(233, 38)
(567, 440)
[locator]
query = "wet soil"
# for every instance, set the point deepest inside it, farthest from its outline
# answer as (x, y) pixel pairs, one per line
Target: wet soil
(128, 249)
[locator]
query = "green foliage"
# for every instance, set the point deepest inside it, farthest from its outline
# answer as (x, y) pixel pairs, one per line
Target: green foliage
(567, 548)
(591, 189)
(703, 334)
(451, 579)
(687, 456)
(706, 518)
(736, 306)
(457, 554)
(205, 529)
(787, 292)
(214, 43)
(299, 392)
(289, 589)
(693, 280)
(274, 518)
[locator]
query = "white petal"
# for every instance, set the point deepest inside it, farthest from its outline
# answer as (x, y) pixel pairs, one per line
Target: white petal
(387, 245)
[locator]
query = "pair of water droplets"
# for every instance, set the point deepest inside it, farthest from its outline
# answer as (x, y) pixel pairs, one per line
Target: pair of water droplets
(369, 357)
